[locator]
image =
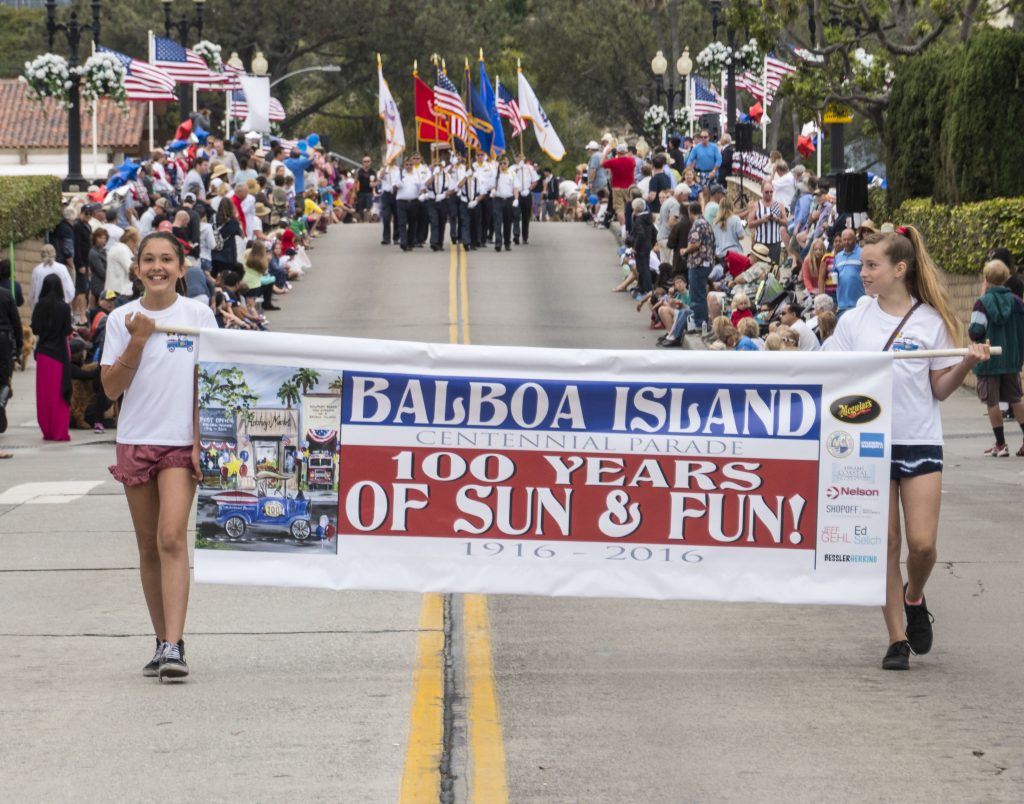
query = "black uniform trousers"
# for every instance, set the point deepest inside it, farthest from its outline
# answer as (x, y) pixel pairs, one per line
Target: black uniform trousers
(469, 224)
(439, 213)
(388, 217)
(502, 215)
(521, 217)
(486, 220)
(407, 223)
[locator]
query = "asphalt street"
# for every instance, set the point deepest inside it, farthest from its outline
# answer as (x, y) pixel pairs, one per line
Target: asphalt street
(304, 695)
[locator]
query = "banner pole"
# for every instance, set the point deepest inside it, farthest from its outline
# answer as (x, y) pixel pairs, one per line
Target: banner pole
(151, 141)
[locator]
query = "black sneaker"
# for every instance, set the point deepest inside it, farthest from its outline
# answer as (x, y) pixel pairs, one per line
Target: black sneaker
(919, 625)
(150, 670)
(897, 657)
(172, 662)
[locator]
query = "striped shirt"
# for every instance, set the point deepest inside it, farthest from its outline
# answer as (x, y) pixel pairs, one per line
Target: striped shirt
(768, 232)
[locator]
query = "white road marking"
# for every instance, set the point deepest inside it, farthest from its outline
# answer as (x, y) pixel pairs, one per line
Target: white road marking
(59, 492)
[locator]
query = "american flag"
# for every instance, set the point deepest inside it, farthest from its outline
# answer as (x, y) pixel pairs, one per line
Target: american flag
(225, 81)
(705, 99)
(240, 109)
(508, 107)
(143, 81)
(752, 84)
(777, 70)
(448, 101)
(180, 63)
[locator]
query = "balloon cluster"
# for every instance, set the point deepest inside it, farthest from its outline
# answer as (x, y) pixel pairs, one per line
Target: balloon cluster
(311, 141)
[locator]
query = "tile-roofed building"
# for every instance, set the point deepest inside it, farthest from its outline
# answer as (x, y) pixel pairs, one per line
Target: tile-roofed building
(34, 134)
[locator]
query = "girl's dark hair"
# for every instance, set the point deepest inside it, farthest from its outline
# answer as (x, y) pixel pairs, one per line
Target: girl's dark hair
(179, 250)
(225, 211)
(51, 309)
(100, 232)
(5, 269)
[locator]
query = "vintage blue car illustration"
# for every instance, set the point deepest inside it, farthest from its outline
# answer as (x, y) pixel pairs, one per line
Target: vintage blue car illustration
(239, 510)
(180, 342)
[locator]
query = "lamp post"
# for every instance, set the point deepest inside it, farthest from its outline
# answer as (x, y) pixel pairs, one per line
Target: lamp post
(72, 30)
(730, 73)
(659, 66)
(183, 25)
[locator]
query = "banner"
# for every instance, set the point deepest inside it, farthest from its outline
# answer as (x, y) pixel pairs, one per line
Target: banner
(354, 464)
(256, 89)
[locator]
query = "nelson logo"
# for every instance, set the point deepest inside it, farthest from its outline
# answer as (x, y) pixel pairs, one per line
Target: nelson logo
(855, 409)
(835, 492)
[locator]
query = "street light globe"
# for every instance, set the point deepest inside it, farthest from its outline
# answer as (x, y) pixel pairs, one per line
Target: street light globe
(259, 64)
(235, 61)
(658, 64)
(685, 65)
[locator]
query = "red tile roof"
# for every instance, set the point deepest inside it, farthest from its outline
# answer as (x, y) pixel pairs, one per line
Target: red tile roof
(27, 124)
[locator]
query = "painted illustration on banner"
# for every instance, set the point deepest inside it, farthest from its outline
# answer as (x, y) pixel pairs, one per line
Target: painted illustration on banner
(269, 440)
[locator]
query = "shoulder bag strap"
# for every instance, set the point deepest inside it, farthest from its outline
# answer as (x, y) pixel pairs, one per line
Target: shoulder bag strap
(899, 327)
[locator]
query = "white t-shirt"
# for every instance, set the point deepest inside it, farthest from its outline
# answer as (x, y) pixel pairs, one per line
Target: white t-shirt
(915, 410)
(808, 340)
(159, 404)
(785, 191)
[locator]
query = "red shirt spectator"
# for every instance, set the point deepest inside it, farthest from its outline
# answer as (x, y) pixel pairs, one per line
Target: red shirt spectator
(623, 171)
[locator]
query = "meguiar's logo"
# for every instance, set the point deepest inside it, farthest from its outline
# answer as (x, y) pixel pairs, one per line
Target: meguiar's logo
(855, 409)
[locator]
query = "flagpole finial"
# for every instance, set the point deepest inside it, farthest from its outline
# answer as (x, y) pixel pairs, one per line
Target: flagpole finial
(481, 54)
(378, 60)
(519, 64)
(444, 68)
(415, 67)
(467, 62)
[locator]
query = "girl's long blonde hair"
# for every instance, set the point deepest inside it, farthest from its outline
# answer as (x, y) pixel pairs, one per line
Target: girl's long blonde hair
(724, 213)
(907, 245)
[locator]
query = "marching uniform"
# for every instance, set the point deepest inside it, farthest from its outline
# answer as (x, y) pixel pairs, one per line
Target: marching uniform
(525, 178)
(389, 179)
(439, 203)
(456, 174)
(407, 194)
(505, 195)
(470, 211)
(486, 174)
(420, 229)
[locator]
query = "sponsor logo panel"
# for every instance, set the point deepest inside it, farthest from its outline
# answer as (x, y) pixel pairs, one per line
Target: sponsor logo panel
(855, 409)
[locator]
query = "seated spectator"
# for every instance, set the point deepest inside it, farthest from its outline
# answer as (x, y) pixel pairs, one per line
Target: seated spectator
(726, 336)
(750, 335)
(760, 263)
(740, 308)
(811, 268)
(791, 315)
(826, 325)
(822, 302)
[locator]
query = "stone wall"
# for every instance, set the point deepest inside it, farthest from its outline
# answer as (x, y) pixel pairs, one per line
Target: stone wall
(963, 292)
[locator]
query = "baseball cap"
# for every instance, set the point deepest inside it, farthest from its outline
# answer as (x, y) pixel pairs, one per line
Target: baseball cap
(716, 188)
(592, 146)
(189, 197)
(110, 295)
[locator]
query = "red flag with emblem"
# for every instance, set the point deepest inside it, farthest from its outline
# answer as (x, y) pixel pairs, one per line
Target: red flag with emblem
(431, 124)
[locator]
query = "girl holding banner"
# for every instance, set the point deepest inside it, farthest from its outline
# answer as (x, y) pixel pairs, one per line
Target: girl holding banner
(157, 441)
(909, 312)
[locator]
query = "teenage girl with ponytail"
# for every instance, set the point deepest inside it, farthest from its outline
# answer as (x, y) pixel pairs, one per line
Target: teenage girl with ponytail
(910, 311)
(157, 436)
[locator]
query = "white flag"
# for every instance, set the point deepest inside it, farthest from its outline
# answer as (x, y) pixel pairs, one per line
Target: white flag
(394, 135)
(530, 109)
(256, 89)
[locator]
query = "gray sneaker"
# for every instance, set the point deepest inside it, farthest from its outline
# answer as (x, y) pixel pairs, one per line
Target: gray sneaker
(150, 670)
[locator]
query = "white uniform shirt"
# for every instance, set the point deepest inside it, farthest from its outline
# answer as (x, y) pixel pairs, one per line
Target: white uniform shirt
(486, 174)
(390, 178)
(440, 182)
(409, 186)
(505, 184)
(525, 177)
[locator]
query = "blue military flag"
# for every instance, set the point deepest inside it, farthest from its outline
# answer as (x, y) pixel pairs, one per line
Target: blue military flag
(491, 105)
(478, 117)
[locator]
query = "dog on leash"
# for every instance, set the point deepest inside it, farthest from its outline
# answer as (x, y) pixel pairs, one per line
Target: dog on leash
(28, 342)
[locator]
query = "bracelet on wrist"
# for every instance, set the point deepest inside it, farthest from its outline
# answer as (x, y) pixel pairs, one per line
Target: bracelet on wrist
(127, 366)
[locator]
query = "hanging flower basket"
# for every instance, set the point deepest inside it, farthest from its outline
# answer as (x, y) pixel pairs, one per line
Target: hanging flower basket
(681, 118)
(716, 58)
(210, 53)
(655, 119)
(48, 76)
(103, 77)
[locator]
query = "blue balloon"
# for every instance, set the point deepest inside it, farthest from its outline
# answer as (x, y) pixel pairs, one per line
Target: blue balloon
(201, 135)
(177, 145)
(313, 140)
(592, 200)
(303, 147)
(243, 455)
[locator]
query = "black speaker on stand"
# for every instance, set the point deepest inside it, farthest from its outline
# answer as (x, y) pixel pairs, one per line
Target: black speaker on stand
(744, 145)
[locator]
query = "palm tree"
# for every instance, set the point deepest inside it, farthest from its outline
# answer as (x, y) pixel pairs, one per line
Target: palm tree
(306, 378)
(288, 393)
(336, 384)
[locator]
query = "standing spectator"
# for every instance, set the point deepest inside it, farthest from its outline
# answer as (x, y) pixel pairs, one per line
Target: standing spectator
(700, 259)
(678, 238)
(784, 184)
(194, 180)
(811, 267)
(98, 262)
(51, 323)
(119, 264)
(6, 281)
(366, 177)
(1016, 281)
(668, 216)
(49, 265)
(642, 238)
(597, 178)
(659, 181)
(716, 192)
(998, 317)
(224, 158)
(298, 165)
(849, 287)
(10, 344)
(767, 219)
(728, 230)
(725, 169)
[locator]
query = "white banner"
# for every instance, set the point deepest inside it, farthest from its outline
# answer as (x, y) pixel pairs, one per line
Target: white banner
(354, 464)
(257, 98)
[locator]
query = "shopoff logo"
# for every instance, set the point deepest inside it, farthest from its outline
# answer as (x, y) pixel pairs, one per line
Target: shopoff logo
(835, 492)
(856, 409)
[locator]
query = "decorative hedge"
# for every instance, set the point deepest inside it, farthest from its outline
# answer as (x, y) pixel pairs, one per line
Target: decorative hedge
(29, 206)
(960, 237)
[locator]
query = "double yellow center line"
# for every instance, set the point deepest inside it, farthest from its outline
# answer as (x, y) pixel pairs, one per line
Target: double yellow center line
(486, 775)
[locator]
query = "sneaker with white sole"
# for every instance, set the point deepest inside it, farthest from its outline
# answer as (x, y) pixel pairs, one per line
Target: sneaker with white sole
(172, 662)
(998, 451)
(150, 670)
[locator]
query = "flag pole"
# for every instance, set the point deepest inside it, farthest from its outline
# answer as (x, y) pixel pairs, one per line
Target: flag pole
(95, 131)
(451, 136)
(469, 113)
(522, 151)
(415, 123)
(764, 102)
(820, 137)
(434, 59)
(151, 143)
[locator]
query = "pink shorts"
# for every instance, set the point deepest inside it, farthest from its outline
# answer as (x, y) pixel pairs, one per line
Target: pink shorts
(138, 463)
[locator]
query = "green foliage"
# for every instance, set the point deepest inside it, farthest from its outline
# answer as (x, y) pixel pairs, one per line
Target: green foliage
(954, 121)
(960, 237)
(29, 206)
(22, 38)
(879, 209)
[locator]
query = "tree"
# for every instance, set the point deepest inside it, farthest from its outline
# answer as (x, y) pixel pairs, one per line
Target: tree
(225, 388)
(288, 393)
(306, 378)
